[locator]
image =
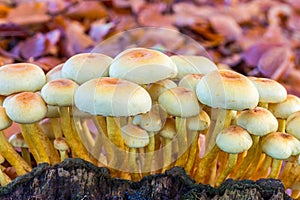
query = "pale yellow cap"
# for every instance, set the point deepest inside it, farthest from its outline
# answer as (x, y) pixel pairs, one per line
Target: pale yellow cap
(134, 137)
(157, 88)
(285, 108)
(258, 121)
(86, 66)
(60, 144)
(266, 89)
(234, 139)
(199, 122)
(192, 65)
(190, 81)
(112, 97)
(142, 66)
(278, 145)
(168, 131)
(59, 92)
(54, 73)
(293, 125)
(26, 107)
(180, 102)
(227, 89)
(17, 140)
(21, 77)
(5, 122)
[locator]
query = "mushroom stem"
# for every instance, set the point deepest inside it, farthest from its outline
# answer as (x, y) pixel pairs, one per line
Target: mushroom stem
(29, 142)
(193, 150)
(263, 170)
(4, 179)
(220, 119)
(76, 146)
(232, 160)
(33, 133)
(249, 158)
(276, 165)
(9, 153)
(26, 155)
(167, 154)
(281, 125)
(150, 148)
(100, 123)
(263, 105)
(205, 163)
(291, 176)
(135, 176)
(56, 127)
(295, 194)
(180, 124)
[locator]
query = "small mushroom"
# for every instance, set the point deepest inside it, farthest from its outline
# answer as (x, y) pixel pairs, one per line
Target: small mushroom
(157, 88)
(54, 73)
(61, 145)
(17, 141)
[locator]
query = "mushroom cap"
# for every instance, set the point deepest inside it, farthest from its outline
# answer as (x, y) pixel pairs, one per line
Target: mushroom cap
(142, 66)
(134, 137)
(234, 139)
(112, 97)
(227, 89)
(285, 108)
(278, 145)
(54, 73)
(252, 119)
(180, 102)
(157, 88)
(266, 88)
(60, 144)
(190, 81)
(26, 107)
(192, 65)
(59, 92)
(168, 131)
(5, 122)
(153, 120)
(86, 66)
(21, 77)
(17, 140)
(293, 125)
(199, 122)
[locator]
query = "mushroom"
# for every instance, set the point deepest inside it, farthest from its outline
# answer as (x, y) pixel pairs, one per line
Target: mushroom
(266, 88)
(17, 141)
(53, 116)
(6, 149)
(4, 179)
(190, 81)
(134, 138)
(112, 98)
(142, 66)
(233, 140)
(86, 66)
(195, 126)
(61, 145)
(192, 65)
(60, 92)
(223, 91)
(279, 146)
(251, 120)
(54, 73)
(167, 133)
(152, 122)
(157, 88)
(181, 103)
(27, 108)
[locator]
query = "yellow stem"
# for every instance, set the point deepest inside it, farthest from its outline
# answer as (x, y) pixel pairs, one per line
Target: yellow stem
(252, 152)
(222, 161)
(4, 179)
(295, 194)
(26, 155)
(293, 176)
(150, 148)
(180, 124)
(9, 153)
(100, 123)
(220, 119)
(56, 127)
(263, 105)
(204, 164)
(263, 170)
(29, 142)
(285, 173)
(63, 155)
(193, 149)
(167, 154)
(114, 131)
(212, 172)
(135, 175)
(229, 167)
(281, 125)
(276, 165)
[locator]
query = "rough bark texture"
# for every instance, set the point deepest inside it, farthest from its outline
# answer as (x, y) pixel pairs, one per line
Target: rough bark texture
(78, 179)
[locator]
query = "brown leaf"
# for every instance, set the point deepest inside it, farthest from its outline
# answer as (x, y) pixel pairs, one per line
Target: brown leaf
(12, 30)
(87, 10)
(99, 29)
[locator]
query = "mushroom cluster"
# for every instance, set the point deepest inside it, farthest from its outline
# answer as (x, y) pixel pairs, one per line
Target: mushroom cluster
(144, 111)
